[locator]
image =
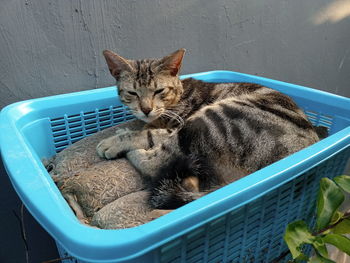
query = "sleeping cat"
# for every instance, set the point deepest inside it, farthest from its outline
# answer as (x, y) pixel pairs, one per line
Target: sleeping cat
(199, 136)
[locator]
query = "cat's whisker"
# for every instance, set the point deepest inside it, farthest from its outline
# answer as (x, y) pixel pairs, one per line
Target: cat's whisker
(133, 112)
(175, 116)
(171, 116)
(168, 113)
(158, 112)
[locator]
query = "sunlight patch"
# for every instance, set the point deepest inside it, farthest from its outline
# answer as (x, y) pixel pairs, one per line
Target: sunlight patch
(333, 12)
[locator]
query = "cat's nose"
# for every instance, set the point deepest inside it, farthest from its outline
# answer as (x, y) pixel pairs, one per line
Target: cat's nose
(146, 110)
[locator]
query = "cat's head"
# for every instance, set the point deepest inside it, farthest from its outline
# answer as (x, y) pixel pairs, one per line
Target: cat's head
(150, 86)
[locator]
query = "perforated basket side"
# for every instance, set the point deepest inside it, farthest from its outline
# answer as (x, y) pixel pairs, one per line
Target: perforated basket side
(65, 257)
(254, 232)
(68, 129)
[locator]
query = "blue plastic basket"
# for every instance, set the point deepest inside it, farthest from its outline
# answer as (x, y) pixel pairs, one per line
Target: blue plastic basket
(241, 222)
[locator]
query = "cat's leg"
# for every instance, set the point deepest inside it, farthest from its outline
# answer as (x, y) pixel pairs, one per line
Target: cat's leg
(149, 160)
(185, 155)
(158, 213)
(127, 140)
(192, 138)
(177, 173)
(72, 201)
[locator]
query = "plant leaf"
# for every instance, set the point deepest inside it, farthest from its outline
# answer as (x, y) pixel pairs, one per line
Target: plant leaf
(336, 217)
(329, 199)
(344, 182)
(297, 234)
(319, 259)
(339, 241)
(343, 227)
(320, 247)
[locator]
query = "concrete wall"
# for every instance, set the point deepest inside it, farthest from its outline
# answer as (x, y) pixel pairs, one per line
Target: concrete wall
(52, 47)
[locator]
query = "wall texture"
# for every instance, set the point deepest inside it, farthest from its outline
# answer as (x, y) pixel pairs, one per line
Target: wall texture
(52, 47)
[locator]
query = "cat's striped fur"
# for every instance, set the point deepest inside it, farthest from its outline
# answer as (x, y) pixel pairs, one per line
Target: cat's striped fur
(199, 135)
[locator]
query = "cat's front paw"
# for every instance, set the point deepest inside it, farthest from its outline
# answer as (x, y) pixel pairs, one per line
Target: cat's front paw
(118, 144)
(109, 148)
(123, 132)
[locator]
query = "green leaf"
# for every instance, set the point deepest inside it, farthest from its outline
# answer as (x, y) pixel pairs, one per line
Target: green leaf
(329, 199)
(339, 241)
(296, 235)
(336, 217)
(319, 259)
(343, 227)
(320, 247)
(344, 182)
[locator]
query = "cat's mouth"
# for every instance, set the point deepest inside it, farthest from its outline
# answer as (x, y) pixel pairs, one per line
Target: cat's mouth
(149, 118)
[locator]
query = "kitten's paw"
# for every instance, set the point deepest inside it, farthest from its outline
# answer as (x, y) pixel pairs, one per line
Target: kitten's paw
(138, 156)
(108, 148)
(143, 161)
(158, 213)
(123, 131)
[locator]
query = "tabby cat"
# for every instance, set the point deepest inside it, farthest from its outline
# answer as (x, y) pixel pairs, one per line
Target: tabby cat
(199, 136)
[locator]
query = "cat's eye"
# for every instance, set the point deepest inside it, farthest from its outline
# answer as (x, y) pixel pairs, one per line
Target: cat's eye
(133, 93)
(158, 91)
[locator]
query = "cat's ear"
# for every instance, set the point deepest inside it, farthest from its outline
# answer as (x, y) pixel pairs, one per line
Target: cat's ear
(116, 63)
(172, 63)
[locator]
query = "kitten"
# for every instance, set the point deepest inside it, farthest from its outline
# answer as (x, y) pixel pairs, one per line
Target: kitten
(199, 136)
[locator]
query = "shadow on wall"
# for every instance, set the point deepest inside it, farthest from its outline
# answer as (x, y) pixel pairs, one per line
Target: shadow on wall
(333, 12)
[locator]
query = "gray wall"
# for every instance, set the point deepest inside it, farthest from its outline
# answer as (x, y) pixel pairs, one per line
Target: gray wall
(53, 47)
